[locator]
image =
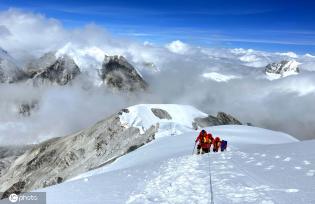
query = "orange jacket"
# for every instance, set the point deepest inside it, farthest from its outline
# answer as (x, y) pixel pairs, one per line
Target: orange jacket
(201, 142)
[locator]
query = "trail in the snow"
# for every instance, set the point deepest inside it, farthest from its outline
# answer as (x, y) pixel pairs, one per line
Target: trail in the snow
(187, 180)
(232, 184)
(179, 180)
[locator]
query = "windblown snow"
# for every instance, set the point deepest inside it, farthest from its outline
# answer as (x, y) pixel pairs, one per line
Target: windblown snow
(260, 166)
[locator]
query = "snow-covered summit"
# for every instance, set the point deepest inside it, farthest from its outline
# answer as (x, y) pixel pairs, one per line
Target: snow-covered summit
(169, 116)
(282, 69)
(172, 118)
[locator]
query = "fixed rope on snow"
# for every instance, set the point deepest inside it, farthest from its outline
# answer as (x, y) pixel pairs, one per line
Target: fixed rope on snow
(210, 178)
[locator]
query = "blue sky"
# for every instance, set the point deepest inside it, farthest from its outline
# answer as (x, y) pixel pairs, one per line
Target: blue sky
(265, 25)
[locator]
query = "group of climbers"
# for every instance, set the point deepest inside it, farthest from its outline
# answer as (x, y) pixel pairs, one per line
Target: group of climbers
(206, 140)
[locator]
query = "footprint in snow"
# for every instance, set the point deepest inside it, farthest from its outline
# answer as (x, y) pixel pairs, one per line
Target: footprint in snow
(306, 162)
(292, 190)
(270, 167)
(310, 173)
(287, 159)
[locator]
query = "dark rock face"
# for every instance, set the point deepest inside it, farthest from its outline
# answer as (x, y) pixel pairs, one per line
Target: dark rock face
(61, 72)
(25, 109)
(227, 119)
(16, 188)
(117, 73)
(162, 114)
(221, 119)
(59, 159)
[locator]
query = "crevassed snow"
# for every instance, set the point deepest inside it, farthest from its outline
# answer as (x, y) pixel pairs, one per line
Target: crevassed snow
(219, 77)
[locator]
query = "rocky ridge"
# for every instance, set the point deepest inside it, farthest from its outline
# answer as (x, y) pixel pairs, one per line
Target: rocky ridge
(59, 159)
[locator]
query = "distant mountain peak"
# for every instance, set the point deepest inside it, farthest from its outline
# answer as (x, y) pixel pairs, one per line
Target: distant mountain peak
(282, 69)
(119, 74)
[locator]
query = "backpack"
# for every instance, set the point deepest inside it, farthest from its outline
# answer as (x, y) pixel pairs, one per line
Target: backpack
(216, 142)
(205, 139)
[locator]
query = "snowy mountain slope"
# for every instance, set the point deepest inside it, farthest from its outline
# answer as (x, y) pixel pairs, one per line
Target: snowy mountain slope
(58, 159)
(164, 171)
(142, 117)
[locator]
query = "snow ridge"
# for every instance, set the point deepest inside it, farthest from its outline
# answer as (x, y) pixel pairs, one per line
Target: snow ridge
(142, 117)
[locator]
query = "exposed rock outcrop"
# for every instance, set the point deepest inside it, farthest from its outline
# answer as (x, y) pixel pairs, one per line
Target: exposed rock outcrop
(221, 119)
(162, 114)
(16, 188)
(119, 74)
(59, 159)
(25, 109)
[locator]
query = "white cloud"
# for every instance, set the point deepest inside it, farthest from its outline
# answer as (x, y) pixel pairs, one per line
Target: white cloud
(288, 54)
(178, 47)
(218, 77)
(253, 98)
(309, 55)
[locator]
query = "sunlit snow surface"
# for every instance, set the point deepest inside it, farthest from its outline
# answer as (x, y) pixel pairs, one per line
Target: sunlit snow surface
(260, 166)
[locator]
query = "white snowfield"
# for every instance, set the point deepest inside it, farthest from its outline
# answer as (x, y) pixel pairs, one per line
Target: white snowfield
(260, 166)
(142, 117)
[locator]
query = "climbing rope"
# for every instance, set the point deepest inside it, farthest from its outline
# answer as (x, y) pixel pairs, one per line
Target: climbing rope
(210, 177)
